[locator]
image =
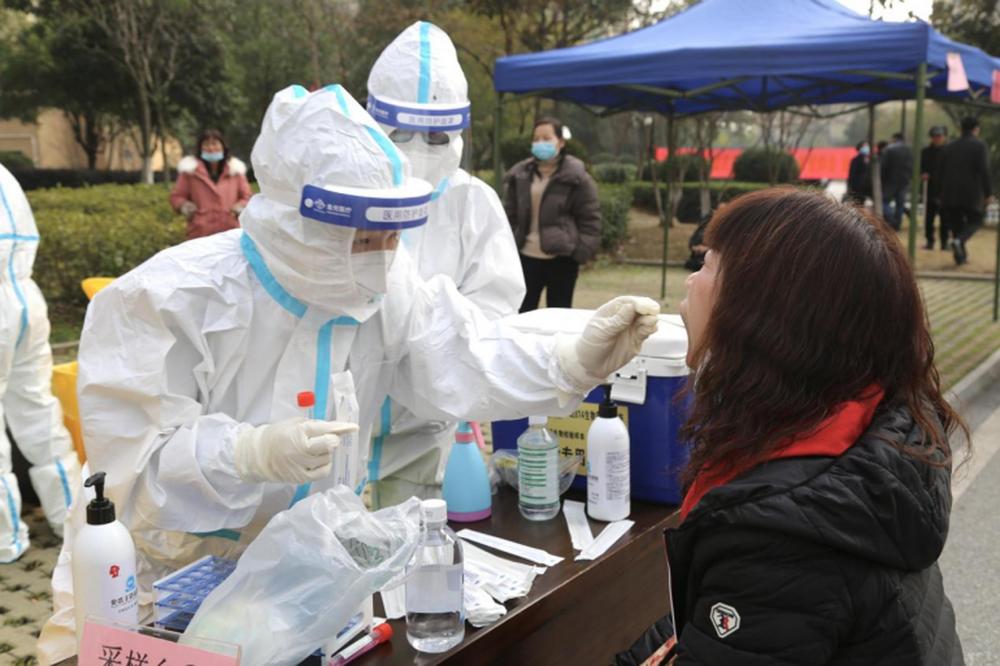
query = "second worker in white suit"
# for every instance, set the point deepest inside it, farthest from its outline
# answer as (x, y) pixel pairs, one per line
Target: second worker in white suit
(190, 364)
(418, 94)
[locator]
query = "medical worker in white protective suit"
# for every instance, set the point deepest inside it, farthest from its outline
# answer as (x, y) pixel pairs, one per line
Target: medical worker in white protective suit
(27, 405)
(418, 94)
(190, 364)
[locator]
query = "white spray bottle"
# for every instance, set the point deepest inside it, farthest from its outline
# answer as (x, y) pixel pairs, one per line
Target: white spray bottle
(608, 461)
(104, 580)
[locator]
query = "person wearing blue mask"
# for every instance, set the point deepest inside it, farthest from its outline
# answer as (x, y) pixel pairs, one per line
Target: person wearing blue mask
(211, 189)
(553, 208)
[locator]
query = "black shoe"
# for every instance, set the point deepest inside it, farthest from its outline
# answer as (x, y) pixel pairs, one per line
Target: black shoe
(929, 246)
(958, 251)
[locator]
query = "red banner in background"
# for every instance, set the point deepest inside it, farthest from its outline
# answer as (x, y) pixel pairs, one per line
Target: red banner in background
(995, 90)
(814, 163)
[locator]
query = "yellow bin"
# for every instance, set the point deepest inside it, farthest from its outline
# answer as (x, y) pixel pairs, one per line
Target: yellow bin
(64, 380)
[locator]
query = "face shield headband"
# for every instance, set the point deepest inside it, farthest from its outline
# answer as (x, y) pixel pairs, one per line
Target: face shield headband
(420, 117)
(373, 210)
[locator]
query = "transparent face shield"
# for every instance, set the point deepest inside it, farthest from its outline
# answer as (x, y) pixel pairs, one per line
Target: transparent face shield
(429, 134)
(377, 218)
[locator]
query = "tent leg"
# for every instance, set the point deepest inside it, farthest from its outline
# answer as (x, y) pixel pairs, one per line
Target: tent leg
(497, 126)
(873, 164)
(996, 281)
(918, 131)
(667, 215)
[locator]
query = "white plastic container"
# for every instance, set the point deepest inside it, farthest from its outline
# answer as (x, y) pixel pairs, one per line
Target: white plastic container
(608, 464)
(104, 581)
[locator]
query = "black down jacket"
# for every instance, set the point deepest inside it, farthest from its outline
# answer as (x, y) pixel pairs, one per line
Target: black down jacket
(819, 560)
(569, 218)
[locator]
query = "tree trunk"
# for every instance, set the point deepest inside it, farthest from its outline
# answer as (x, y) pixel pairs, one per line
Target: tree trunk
(145, 137)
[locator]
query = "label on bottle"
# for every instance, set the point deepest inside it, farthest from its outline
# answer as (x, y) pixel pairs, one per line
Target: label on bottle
(538, 475)
(121, 594)
(608, 477)
(434, 588)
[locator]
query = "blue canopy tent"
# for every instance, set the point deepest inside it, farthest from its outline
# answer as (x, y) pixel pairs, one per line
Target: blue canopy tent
(758, 55)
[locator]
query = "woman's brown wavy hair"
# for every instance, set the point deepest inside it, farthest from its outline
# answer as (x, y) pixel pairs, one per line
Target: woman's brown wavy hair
(816, 301)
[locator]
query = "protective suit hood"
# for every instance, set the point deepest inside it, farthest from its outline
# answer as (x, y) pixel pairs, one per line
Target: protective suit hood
(417, 85)
(325, 170)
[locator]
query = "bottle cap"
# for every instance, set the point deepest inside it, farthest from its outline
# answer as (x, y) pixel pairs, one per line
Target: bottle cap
(608, 409)
(537, 420)
(306, 399)
(434, 510)
(100, 510)
(383, 632)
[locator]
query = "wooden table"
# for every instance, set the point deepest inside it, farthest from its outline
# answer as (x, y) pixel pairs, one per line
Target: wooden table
(577, 612)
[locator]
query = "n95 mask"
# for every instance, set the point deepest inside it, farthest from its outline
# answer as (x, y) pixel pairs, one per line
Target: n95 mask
(371, 271)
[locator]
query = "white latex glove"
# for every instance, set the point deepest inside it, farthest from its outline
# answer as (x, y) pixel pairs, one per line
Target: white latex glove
(612, 337)
(188, 208)
(291, 451)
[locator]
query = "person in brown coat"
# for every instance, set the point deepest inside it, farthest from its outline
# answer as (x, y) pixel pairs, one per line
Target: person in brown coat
(554, 211)
(211, 189)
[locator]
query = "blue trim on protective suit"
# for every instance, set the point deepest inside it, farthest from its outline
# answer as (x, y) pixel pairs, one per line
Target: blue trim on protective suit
(386, 428)
(338, 90)
(15, 519)
(10, 269)
(390, 150)
(298, 91)
(440, 189)
(267, 279)
(232, 535)
(424, 82)
(19, 237)
(67, 495)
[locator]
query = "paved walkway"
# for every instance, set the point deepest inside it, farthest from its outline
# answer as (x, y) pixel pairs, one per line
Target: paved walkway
(971, 557)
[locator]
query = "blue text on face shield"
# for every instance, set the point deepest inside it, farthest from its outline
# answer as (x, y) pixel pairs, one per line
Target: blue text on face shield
(544, 150)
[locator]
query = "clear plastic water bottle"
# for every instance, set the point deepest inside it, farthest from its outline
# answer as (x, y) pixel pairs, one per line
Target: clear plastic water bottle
(538, 471)
(435, 618)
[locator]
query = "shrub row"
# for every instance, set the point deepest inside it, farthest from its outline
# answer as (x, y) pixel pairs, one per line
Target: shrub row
(689, 208)
(616, 200)
(105, 230)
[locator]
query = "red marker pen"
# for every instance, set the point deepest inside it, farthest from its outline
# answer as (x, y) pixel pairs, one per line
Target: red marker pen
(380, 634)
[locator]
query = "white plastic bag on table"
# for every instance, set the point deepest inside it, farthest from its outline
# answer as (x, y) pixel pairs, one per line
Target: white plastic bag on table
(303, 578)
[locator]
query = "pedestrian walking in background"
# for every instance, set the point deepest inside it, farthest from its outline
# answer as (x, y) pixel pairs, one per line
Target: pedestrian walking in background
(930, 159)
(859, 184)
(897, 169)
(211, 189)
(965, 187)
(551, 202)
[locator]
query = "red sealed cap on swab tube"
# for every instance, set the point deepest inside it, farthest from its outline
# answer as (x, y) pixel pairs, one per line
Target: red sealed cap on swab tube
(306, 399)
(382, 633)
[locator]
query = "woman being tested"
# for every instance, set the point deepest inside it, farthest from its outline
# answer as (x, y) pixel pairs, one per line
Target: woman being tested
(551, 202)
(818, 488)
(211, 189)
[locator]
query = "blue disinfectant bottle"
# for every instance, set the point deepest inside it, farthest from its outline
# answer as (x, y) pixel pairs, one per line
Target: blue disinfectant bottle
(466, 481)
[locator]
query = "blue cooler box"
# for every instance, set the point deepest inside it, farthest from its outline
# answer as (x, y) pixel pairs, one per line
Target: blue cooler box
(646, 391)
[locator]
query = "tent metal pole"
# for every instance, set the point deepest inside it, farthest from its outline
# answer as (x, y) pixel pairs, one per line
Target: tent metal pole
(996, 281)
(497, 126)
(918, 131)
(668, 208)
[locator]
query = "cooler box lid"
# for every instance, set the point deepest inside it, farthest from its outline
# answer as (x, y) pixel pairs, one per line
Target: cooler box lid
(669, 342)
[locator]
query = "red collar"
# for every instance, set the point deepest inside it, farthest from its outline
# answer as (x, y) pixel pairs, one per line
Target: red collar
(833, 437)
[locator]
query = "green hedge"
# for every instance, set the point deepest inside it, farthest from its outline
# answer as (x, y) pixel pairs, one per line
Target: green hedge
(756, 165)
(689, 208)
(616, 200)
(15, 160)
(614, 172)
(105, 230)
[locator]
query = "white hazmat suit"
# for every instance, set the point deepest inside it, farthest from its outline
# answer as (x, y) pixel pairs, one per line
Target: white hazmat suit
(419, 94)
(27, 405)
(190, 364)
